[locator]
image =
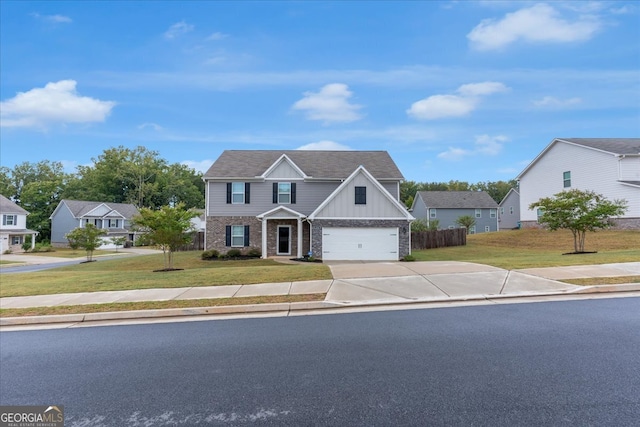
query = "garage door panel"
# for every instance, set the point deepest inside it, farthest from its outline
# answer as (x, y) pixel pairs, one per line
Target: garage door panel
(372, 244)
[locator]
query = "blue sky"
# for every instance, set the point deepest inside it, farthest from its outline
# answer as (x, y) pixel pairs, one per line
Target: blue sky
(453, 90)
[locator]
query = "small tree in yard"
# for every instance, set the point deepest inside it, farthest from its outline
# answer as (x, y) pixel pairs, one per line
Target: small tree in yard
(118, 241)
(466, 221)
(87, 238)
(578, 211)
(168, 227)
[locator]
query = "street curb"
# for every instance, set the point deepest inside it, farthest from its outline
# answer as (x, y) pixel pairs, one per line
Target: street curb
(289, 307)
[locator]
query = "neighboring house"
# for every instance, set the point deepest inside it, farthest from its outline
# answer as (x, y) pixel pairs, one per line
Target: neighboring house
(608, 166)
(509, 211)
(113, 217)
(447, 206)
(13, 228)
(333, 205)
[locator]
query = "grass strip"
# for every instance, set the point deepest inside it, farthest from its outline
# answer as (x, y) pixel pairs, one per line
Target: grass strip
(157, 305)
(593, 281)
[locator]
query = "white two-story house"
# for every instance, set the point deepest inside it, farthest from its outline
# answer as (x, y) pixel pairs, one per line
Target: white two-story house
(608, 166)
(331, 205)
(13, 228)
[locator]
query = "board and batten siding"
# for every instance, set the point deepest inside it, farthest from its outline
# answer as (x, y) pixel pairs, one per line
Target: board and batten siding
(343, 204)
(309, 195)
(284, 171)
(590, 170)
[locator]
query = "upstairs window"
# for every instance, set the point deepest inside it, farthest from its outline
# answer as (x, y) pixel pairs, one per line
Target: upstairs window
(9, 219)
(432, 213)
(361, 195)
(492, 213)
(478, 213)
(511, 210)
(238, 192)
(566, 178)
(284, 193)
(501, 211)
(113, 223)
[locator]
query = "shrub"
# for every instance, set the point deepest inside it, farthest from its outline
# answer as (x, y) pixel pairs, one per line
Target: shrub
(42, 247)
(7, 252)
(233, 253)
(254, 253)
(409, 258)
(210, 254)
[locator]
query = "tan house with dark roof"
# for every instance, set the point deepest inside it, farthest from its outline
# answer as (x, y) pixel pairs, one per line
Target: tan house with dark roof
(13, 228)
(333, 205)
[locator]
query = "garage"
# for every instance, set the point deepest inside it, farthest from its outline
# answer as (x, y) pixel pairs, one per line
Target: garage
(366, 244)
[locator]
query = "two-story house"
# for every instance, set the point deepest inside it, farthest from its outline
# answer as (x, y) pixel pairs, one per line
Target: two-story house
(447, 206)
(13, 228)
(509, 211)
(608, 166)
(332, 205)
(113, 217)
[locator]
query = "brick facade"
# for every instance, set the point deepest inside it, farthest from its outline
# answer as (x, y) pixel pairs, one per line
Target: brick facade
(404, 238)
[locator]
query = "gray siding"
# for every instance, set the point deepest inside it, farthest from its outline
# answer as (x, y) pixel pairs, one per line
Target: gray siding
(511, 216)
(309, 195)
(419, 209)
(447, 218)
(62, 223)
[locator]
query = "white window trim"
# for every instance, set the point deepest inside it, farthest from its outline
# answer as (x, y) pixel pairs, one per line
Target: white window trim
(233, 193)
(492, 213)
(487, 228)
(478, 213)
(5, 219)
(241, 236)
(282, 193)
(433, 213)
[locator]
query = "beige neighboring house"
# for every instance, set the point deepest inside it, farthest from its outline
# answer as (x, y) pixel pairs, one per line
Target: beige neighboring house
(13, 228)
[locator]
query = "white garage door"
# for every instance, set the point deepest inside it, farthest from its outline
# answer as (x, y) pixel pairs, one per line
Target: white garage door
(370, 244)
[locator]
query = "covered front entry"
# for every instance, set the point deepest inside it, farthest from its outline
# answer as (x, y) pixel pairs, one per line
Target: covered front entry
(282, 232)
(360, 243)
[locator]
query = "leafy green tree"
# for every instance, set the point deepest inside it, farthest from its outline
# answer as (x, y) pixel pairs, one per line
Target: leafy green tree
(578, 211)
(168, 227)
(87, 238)
(466, 221)
(118, 241)
(419, 224)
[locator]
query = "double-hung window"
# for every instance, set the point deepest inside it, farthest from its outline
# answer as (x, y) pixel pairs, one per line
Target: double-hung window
(361, 195)
(9, 219)
(237, 192)
(492, 213)
(113, 223)
(478, 213)
(566, 179)
(284, 193)
(432, 213)
(237, 235)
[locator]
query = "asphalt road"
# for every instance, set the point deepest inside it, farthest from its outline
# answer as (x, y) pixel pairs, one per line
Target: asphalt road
(557, 363)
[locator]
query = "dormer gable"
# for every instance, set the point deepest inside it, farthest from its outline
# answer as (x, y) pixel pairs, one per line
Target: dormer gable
(284, 168)
(99, 211)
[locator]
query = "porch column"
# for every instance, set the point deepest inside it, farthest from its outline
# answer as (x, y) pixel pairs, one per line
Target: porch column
(264, 238)
(299, 238)
(33, 240)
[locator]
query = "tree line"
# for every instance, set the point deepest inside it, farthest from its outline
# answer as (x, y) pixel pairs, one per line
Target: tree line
(118, 175)
(496, 189)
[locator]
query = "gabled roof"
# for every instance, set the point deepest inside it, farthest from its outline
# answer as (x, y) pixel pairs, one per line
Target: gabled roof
(362, 170)
(613, 146)
(9, 207)
(314, 164)
(281, 211)
(512, 190)
(80, 208)
(457, 199)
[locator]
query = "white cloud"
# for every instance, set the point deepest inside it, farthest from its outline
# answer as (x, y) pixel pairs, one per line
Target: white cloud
(153, 126)
(552, 102)
(484, 144)
(177, 29)
(198, 165)
(325, 146)
(217, 36)
(539, 23)
(57, 102)
(54, 19)
(330, 104)
(441, 106)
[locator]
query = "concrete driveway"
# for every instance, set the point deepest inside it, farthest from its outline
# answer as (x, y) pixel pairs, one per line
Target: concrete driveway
(436, 280)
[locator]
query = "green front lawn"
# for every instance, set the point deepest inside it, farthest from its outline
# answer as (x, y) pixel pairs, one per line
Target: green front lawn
(137, 273)
(70, 253)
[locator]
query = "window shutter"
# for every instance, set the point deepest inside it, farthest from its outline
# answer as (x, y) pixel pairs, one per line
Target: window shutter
(228, 236)
(247, 192)
(228, 192)
(275, 192)
(293, 193)
(246, 235)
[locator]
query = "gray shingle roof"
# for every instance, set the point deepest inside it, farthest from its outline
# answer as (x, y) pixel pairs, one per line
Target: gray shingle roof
(316, 164)
(7, 206)
(611, 145)
(457, 199)
(81, 207)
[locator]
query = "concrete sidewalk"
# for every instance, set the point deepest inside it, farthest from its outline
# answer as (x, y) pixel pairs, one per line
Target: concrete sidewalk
(365, 283)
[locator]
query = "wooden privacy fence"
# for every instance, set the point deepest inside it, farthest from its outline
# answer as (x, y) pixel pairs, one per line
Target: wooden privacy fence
(438, 238)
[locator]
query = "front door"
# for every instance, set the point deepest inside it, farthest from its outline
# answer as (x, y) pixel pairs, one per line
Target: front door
(284, 240)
